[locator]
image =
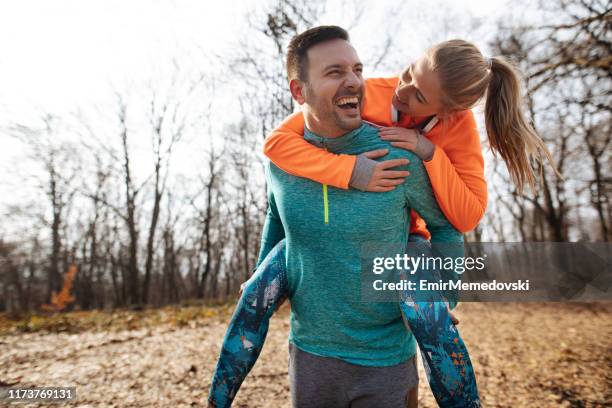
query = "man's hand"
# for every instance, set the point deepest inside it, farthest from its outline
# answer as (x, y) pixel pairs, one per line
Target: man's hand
(384, 180)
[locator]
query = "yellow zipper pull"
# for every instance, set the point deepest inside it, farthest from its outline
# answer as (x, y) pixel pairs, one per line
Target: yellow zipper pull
(325, 200)
(325, 205)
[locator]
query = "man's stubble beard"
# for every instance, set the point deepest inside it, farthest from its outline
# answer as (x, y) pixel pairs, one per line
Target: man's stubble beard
(327, 112)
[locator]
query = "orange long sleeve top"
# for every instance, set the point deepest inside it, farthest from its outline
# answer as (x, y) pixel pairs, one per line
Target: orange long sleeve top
(456, 170)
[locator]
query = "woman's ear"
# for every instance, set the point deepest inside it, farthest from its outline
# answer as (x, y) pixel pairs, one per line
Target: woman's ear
(297, 91)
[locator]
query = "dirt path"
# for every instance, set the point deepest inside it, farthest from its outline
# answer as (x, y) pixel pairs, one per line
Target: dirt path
(525, 355)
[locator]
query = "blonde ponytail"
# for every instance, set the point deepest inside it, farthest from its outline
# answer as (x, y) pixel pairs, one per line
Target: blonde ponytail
(509, 133)
(465, 78)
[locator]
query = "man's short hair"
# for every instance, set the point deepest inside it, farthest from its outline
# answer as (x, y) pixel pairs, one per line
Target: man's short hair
(297, 58)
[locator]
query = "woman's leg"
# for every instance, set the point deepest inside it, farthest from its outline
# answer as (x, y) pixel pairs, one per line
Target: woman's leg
(445, 356)
(262, 294)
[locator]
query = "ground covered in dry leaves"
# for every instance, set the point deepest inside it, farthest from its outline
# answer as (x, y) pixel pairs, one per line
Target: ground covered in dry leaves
(525, 355)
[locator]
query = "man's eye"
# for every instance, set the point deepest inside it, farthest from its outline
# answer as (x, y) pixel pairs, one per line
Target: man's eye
(334, 72)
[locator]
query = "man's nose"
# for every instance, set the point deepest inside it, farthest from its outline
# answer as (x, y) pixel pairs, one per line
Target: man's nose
(352, 80)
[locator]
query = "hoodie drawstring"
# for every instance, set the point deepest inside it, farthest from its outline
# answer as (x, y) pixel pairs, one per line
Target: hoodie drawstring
(325, 205)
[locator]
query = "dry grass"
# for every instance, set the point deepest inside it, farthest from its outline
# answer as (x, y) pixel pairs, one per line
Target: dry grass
(525, 355)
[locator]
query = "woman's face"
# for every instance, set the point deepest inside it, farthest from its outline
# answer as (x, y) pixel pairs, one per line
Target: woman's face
(418, 91)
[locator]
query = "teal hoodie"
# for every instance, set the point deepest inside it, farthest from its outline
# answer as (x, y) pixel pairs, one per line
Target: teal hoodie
(325, 230)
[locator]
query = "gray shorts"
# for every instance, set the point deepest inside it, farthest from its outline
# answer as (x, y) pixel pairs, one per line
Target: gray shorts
(322, 382)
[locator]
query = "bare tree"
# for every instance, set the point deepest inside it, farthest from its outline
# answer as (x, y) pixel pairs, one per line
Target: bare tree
(59, 165)
(168, 122)
(567, 65)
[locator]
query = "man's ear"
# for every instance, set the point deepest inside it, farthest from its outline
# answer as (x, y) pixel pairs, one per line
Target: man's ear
(297, 91)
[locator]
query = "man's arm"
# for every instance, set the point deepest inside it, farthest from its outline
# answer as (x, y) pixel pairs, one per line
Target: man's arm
(273, 230)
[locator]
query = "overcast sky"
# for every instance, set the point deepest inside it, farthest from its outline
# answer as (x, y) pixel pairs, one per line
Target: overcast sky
(55, 54)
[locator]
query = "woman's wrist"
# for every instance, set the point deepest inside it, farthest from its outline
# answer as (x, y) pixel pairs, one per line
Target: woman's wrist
(362, 172)
(424, 147)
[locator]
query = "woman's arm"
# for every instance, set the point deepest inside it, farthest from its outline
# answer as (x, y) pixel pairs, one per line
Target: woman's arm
(287, 148)
(454, 164)
(456, 169)
(456, 172)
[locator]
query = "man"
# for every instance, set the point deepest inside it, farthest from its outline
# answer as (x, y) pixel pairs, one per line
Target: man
(343, 352)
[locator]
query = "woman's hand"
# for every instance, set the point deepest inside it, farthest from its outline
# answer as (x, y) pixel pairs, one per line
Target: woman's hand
(400, 137)
(383, 179)
(408, 139)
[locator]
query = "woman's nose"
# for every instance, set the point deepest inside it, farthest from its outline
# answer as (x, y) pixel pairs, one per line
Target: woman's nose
(403, 88)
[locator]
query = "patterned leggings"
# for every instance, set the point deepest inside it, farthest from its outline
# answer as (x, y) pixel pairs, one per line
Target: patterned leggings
(445, 356)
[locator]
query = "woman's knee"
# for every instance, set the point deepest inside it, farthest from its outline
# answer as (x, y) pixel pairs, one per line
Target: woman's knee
(266, 291)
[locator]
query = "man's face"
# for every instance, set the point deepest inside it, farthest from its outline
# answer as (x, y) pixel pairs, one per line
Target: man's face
(333, 93)
(418, 90)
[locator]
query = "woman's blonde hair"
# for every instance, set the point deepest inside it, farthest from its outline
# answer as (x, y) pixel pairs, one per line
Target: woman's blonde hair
(466, 76)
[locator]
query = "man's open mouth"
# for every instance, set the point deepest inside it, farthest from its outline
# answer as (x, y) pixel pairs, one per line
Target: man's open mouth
(348, 102)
